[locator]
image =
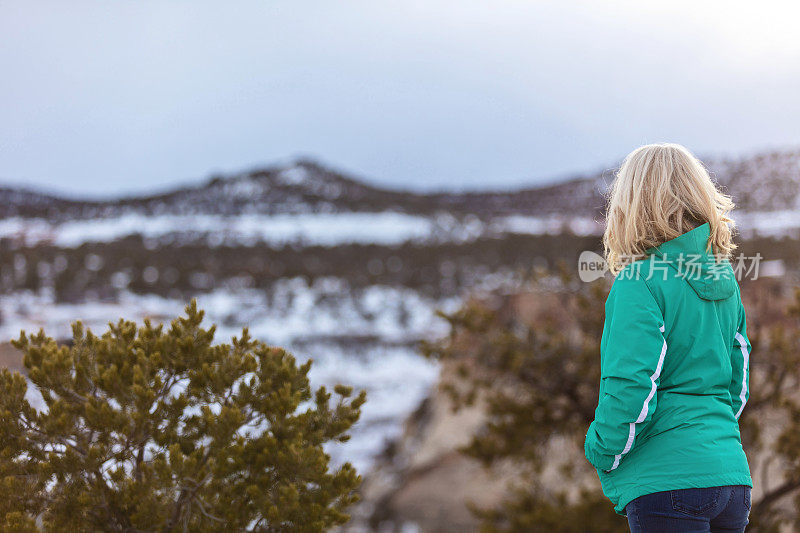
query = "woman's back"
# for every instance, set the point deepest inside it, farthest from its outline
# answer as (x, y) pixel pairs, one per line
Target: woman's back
(674, 351)
(673, 376)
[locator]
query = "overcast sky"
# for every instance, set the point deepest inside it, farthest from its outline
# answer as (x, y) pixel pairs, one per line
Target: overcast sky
(102, 97)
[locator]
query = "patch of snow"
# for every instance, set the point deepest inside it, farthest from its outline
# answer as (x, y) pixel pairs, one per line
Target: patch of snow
(774, 268)
(320, 228)
(242, 187)
(327, 229)
(767, 224)
(552, 225)
(295, 175)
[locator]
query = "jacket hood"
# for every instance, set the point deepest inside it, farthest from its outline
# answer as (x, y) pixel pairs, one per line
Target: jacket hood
(687, 254)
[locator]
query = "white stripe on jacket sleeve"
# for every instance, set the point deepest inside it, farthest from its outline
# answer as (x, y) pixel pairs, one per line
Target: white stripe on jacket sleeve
(746, 358)
(643, 413)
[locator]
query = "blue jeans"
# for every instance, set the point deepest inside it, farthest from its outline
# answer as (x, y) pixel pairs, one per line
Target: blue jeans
(712, 509)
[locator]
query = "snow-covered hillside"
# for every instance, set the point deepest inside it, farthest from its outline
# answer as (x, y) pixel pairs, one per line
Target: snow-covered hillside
(305, 195)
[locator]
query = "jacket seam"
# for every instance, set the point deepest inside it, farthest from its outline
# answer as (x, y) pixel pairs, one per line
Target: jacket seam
(653, 296)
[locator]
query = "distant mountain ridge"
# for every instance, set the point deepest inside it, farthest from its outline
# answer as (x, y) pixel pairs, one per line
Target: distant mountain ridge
(302, 187)
(768, 181)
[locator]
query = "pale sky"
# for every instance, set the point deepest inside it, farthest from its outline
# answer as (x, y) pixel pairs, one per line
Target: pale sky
(102, 97)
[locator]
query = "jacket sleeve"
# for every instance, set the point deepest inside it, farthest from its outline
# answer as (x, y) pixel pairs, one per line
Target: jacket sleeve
(740, 366)
(632, 351)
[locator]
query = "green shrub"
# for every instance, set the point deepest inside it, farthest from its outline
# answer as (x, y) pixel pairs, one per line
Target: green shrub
(155, 429)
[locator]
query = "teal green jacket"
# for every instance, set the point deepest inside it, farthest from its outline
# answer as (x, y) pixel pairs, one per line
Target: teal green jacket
(675, 375)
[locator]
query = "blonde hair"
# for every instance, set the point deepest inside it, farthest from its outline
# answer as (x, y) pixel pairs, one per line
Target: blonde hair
(660, 192)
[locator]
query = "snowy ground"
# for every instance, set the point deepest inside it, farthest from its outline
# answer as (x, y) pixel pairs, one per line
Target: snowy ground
(360, 338)
(327, 229)
(769, 224)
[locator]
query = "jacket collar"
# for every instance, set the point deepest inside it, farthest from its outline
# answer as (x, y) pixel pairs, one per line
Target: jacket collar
(692, 242)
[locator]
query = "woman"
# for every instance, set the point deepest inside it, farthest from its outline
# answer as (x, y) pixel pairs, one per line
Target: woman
(674, 352)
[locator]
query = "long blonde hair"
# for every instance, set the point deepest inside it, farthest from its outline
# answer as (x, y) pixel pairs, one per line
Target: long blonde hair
(660, 192)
